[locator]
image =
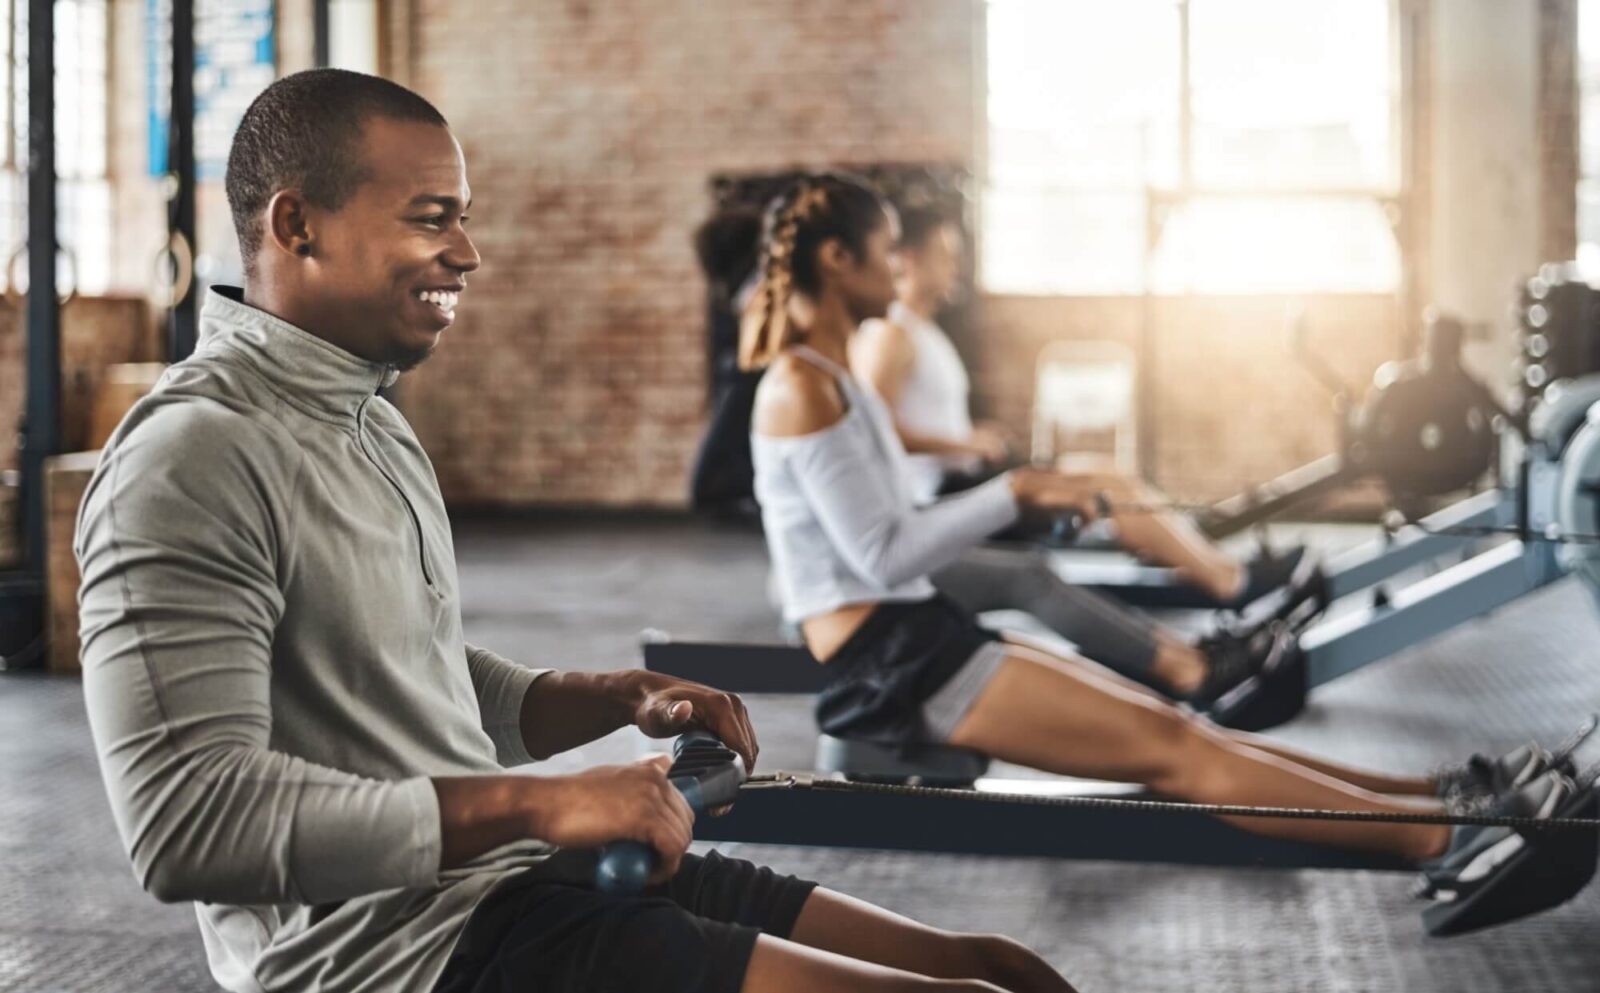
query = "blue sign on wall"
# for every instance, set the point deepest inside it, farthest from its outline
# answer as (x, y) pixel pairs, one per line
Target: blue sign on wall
(235, 59)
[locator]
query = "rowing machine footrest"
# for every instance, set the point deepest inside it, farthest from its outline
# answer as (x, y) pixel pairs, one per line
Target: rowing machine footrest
(1549, 870)
(918, 765)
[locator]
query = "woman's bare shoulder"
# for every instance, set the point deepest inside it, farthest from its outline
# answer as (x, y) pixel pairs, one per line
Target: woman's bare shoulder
(796, 398)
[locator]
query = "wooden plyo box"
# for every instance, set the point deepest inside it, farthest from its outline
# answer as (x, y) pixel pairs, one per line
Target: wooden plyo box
(124, 385)
(66, 477)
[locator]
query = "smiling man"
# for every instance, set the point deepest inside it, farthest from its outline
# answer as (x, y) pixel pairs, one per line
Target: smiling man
(361, 242)
(292, 731)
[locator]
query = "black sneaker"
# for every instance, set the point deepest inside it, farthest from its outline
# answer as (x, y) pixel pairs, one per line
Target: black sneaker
(1273, 695)
(1266, 573)
(1490, 875)
(1476, 783)
(1523, 801)
(1232, 656)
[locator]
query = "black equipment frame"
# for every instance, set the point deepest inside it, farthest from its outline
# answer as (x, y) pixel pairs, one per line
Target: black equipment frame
(933, 822)
(183, 320)
(22, 591)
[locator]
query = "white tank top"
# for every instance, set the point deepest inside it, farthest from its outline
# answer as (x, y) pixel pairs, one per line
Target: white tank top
(838, 514)
(933, 400)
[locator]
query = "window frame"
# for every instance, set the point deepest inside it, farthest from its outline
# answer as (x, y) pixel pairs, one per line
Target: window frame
(77, 188)
(1587, 186)
(1162, 202)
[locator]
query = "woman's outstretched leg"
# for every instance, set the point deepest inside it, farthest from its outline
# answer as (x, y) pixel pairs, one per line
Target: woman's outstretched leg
(1377, 782)
(1124, 640)
(1168, 538)
(1058, 715)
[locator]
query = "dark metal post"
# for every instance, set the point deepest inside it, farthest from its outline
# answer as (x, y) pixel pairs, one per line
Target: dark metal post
(42, 432)
(182, 321)
(321, 34)
(22, 619)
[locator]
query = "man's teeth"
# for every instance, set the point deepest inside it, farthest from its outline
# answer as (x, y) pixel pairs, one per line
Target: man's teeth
(442, 299)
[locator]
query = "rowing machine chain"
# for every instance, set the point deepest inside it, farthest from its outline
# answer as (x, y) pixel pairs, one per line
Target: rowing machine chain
(793, 780)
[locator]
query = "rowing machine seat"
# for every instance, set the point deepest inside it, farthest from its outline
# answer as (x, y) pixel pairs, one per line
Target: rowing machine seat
(917, 765)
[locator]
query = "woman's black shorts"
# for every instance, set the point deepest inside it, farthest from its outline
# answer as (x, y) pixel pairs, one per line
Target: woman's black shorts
(899, 657)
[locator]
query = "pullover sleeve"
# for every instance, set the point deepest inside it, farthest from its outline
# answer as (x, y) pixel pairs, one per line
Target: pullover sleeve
(178, 541)
(501, 684)
(885, 542)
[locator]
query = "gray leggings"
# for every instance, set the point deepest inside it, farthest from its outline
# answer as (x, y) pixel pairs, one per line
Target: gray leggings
(1117, 637)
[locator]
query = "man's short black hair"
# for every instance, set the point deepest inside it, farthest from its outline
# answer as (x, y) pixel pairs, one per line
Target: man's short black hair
(304, 133)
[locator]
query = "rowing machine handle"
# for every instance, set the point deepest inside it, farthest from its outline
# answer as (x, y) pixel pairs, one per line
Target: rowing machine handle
(708, 774)
(1068, 526)
(1064, 530)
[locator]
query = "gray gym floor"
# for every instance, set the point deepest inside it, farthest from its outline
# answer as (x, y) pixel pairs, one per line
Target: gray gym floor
(575, 592)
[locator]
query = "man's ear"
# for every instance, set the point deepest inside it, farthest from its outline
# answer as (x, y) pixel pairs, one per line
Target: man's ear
(288, 223)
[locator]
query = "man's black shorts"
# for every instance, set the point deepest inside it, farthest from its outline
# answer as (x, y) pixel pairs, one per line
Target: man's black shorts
(694, 934)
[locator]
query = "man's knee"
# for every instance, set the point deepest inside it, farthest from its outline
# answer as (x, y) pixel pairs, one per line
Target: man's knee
(658, 946)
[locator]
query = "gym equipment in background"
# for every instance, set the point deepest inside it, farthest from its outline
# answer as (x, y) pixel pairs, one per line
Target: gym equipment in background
(1530, 531)
(1425, 428)
(1083, 394)
(1484, 551)
(1558, 330)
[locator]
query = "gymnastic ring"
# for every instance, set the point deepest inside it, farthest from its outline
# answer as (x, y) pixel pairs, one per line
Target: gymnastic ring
(178, 253)
(62, 298)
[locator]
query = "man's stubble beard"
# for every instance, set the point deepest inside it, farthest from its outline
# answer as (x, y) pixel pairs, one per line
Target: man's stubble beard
(407, 359)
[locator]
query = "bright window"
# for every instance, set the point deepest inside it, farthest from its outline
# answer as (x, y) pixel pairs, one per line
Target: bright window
(353, 35)
(1274, 180)
(1589, 137)
(84, 219)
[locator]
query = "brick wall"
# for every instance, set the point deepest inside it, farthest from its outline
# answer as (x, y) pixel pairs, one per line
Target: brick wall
(575, 371)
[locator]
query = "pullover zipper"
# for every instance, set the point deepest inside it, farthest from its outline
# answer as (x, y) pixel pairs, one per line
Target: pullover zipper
(416, 521)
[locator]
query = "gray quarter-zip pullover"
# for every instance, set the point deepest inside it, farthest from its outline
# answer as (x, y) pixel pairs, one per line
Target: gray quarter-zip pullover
(274, 665)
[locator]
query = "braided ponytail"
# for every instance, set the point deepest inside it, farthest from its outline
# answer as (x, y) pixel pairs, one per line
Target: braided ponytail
(765, 324)
(816, 208)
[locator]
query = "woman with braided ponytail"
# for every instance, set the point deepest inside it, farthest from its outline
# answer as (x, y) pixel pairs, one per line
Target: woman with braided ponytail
(852, 550)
